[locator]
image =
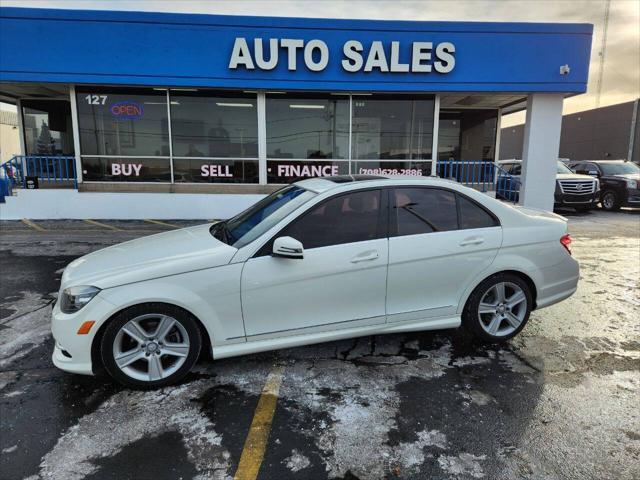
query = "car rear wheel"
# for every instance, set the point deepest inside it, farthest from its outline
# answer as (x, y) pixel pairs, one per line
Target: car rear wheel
(498, 308)
(610, 201)
(150, 345)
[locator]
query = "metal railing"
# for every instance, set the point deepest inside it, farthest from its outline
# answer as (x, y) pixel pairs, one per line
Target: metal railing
(48, 169)
(485, 176)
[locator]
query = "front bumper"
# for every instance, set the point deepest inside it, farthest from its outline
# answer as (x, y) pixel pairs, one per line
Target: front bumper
(576, 199)
(72, 352)
(633, 198)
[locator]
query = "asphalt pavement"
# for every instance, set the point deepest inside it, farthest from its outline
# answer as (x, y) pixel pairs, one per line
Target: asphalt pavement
(560, 401)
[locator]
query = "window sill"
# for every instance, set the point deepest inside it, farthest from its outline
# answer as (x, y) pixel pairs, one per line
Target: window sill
(214, 188)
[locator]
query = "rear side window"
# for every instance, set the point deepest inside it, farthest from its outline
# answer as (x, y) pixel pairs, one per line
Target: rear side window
(354, 217)
(423, 210)
(474, 216)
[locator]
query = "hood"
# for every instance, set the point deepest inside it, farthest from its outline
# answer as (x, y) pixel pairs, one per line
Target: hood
(627, 176)
(145, 258)
(573, 176)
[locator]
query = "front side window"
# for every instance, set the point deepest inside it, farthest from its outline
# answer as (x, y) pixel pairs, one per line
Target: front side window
(350, 218)
(423, 210)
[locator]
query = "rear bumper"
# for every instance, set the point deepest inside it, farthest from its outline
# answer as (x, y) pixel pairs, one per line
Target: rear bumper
(557, 282)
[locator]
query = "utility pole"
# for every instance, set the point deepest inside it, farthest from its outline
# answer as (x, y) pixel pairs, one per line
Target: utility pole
(603, 49)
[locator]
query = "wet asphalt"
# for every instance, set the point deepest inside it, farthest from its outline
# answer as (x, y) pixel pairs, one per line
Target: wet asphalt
(560, 401)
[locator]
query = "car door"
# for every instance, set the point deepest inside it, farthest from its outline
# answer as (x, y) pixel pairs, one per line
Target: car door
(341, 279)
(439, 241)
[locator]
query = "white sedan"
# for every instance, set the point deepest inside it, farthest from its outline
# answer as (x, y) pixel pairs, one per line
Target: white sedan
(318, 260)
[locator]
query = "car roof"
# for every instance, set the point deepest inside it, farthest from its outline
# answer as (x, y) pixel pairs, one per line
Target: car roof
(348, 182)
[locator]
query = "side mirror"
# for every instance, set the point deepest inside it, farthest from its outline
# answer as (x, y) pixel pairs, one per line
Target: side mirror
(287, 247)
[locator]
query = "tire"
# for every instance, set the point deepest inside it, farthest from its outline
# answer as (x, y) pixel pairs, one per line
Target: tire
(137, 354)
(499, 322)
(610, 201)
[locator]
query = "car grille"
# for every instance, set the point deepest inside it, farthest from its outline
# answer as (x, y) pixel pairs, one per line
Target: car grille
(577, 187)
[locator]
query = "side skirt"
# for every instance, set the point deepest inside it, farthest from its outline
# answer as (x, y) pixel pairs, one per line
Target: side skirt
(255, 346)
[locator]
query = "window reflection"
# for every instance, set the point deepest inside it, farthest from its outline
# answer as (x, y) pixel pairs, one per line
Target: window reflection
(467, 134)
(47, 127)
(123, 122)
(390, 127)
(207, 124)
(301, 126)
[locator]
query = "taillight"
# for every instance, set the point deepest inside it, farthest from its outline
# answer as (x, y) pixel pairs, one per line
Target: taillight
(565, 240)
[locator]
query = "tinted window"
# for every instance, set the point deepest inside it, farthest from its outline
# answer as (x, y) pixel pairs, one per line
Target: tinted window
(423, 210)
(474, 216)
(344, 219)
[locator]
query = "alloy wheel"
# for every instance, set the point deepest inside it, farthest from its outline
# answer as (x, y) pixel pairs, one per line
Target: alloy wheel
(151, 347)
(502, 309)
(609, 201)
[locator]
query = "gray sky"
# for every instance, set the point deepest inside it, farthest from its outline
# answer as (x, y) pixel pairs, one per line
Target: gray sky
(621, 79)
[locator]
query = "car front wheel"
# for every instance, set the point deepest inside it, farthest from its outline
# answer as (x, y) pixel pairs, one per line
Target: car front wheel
(498, 308)
(151, 345)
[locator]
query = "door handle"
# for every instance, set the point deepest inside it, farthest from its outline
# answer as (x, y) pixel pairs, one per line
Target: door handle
(365, 256)
(471, 241)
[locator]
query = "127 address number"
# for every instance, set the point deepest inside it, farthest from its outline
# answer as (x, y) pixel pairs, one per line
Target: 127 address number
(96, 99)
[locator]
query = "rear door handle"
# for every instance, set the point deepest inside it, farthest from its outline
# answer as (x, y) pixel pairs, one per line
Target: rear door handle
(365, 256)
(471, 241)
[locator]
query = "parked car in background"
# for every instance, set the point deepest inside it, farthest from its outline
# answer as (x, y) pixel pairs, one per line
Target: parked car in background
(619, 181)
(321, 259)
(580, 192)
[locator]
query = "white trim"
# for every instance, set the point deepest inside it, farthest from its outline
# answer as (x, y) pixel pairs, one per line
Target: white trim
(436, 129)
(76, 131)
(144, 157)
(262, 138)
(23, 146)
(170, 135)
(497, 139)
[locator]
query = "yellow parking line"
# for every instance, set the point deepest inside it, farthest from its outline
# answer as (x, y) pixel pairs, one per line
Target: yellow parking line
(103, 225)
(162, 223)
(33, 225)
(256, 442)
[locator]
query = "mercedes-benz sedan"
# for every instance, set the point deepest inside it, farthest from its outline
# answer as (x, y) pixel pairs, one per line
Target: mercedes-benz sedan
(318, 260)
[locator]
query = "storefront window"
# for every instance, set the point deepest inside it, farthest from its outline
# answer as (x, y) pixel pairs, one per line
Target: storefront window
(202, 170)
(214, 125)
(311, 127)
(128, 122)
(390, 131)
(467, 134)
(126, 169)
(47, 127)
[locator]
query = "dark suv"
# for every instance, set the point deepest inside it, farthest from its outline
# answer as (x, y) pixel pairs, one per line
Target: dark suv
(619, 181)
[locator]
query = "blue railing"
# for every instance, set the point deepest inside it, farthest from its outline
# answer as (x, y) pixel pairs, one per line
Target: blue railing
(47, 169)
(482, 175)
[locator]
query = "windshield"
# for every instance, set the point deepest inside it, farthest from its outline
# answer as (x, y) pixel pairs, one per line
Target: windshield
(257, 219)
(619, 168)
(562, 168)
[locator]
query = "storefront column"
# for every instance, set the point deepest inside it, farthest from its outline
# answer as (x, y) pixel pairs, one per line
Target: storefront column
(436, 128)
(76, 132)
(262, 138)
(540, 150)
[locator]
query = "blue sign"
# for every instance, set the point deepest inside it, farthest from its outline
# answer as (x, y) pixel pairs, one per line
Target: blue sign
(178, 50)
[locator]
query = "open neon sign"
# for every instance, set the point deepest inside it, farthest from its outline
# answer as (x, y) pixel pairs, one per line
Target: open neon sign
(127, 110)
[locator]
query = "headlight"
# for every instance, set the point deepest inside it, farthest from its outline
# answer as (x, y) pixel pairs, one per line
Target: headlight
(597, 185)
(632, 184)
(74, 298)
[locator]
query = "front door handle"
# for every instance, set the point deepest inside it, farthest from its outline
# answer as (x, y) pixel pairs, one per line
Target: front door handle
(471, 241)
(365, 256)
